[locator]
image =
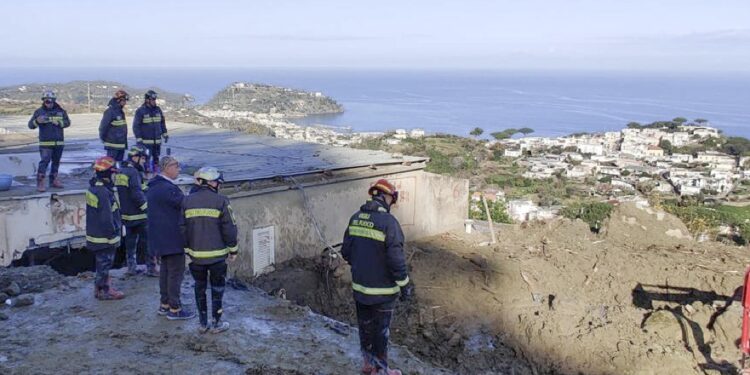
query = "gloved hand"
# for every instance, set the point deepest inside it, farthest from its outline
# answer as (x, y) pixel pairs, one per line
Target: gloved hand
(166, 138)
(41, 119)
(407, 292)
(140, 144)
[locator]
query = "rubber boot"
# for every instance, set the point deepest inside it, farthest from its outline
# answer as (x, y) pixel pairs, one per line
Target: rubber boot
(55, 182)
(111, 293)
(367, 366)
(40, 184)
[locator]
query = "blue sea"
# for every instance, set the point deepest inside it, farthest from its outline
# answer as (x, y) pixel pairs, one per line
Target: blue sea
(552, 103)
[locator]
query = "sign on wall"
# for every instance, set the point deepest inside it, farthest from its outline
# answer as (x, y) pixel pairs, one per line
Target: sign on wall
(263, 248)
(405, 209)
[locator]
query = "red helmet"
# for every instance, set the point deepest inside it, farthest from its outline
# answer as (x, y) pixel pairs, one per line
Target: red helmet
(104, 163)
(385, 187)
(121, 95)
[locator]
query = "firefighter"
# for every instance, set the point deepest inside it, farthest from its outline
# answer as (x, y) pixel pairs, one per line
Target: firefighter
(113, 129)
(211, 238)
(373, 246)
(103, 226)
(165, 239)
(129, 182)
(51, 119)
(149, 127)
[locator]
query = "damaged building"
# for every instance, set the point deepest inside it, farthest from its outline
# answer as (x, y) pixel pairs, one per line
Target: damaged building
(290, 199)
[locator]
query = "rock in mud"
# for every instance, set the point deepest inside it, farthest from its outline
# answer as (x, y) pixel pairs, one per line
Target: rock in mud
(3, 316)
(661, 321)
(13, 289)
(3, 297)
(22, 300)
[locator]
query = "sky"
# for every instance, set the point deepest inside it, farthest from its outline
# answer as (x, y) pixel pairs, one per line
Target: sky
(632, 35)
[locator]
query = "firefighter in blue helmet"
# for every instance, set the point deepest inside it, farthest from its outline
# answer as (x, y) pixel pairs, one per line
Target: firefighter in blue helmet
(133, 205)
(149, 128)
(51, 119)
(210, 238)
(103, 225)
(113, 129)
(373, 246)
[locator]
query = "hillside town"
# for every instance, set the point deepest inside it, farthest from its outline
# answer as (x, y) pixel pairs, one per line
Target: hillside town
(624, 164)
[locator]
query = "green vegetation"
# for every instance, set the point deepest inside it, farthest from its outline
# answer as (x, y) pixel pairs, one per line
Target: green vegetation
(497, 212)
(476, 132)
(526, 131)
(259, 98)
(593, 213)
(507, 133)
(666, 146)
(74, 96)
(701, 219)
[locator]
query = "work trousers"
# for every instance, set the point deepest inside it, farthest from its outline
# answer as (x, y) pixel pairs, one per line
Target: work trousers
(104, 260)
(53, 154)
(152, 162)
(170, 279)
(216, 274)
(118, 155)
(374, 330)
(136, 243)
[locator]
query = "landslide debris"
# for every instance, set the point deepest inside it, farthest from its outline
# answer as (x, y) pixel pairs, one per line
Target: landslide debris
(554, 298)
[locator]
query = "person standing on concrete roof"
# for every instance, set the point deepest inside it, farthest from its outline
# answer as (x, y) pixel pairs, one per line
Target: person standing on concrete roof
(103, 226)
(211, 237)
(149, 127)
(373, 246)
(51, 119)
(165, 240)
(133, 204)
(113, 129)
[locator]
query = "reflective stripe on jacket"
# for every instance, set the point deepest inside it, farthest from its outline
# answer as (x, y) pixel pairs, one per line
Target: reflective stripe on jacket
(50, 131)
(130, 191)
(113, 129)
(373, 246)
(102, 216)
(208, 225)
(149, 125)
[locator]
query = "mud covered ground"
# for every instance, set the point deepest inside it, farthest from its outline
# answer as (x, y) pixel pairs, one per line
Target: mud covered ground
(553, 298)
(67, 331)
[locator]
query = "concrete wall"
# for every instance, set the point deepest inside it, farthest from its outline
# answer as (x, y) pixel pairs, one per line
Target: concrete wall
(39, 220)
(429, 204)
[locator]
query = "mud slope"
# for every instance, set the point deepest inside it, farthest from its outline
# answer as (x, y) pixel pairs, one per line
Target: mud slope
(556, 299)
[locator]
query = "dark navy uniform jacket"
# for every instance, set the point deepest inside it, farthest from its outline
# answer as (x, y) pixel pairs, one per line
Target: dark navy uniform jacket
(50, 131)
(103, 224)
(149, 125)
(164, 208)
(133, 204)
(374, 247)
(113, 129)
(208, 226)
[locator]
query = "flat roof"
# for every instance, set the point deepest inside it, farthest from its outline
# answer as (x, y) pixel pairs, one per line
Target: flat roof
(242, 157)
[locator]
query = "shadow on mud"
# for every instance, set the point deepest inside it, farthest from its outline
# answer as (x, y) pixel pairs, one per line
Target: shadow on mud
(444, 335)
(644, 296)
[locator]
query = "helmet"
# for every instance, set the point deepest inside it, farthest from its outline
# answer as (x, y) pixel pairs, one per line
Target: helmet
(136, 151)
(210, 174)
(385, 187)
(121, 94)
(49, 94)
(150, 94)
(104, 164)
